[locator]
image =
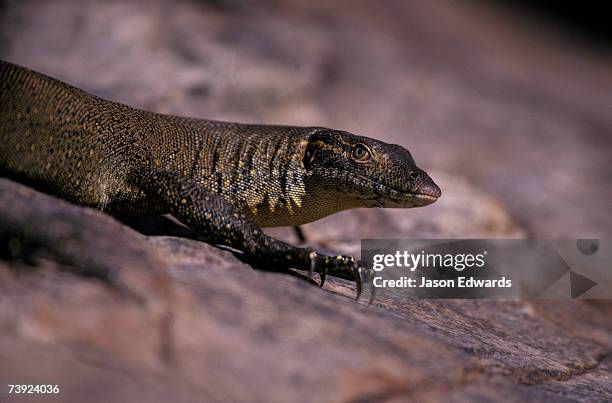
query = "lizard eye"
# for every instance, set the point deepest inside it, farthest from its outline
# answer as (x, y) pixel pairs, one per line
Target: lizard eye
(360, 153)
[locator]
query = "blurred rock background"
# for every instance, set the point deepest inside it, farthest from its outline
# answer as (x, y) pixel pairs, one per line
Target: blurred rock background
(506, 103)
(509, 112)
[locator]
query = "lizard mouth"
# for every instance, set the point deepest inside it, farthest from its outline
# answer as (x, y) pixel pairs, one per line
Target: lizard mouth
(400, 198)
(406, 199)
(390, 197)
(424, 199)
(387, 196)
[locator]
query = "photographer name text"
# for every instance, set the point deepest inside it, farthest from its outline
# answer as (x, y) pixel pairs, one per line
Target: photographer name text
(435, 261)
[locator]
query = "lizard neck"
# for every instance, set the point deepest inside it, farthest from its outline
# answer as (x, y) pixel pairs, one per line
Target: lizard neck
(258, 169)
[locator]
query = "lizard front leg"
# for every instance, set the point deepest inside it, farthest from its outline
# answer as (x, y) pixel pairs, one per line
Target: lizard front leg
(218, 222)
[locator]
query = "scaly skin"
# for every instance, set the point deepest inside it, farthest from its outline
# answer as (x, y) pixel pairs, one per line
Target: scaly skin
(224, 180)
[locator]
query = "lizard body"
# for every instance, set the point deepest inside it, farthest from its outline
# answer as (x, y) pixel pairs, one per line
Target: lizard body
(224, 180)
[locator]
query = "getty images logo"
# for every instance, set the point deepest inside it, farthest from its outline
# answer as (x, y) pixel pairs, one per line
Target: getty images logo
(413, 261)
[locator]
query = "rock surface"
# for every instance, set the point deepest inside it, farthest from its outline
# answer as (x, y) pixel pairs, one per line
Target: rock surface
(514, 125)
(205, 327)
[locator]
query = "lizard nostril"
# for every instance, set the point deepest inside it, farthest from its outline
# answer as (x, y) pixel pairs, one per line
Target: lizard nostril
(413, 175)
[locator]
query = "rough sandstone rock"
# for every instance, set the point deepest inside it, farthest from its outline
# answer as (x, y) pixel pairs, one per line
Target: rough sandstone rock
(212, 329)
(515, 125)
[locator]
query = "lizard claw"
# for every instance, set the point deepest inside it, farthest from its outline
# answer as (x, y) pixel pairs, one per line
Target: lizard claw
(356, 268)
(313, 266)
(313, 263)
(363, 273)
(370, 276)
(323, 274)
(359, 282)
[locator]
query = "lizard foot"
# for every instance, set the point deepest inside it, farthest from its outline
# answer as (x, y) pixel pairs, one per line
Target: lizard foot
(345, 267)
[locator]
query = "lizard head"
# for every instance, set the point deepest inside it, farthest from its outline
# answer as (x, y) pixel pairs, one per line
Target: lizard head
(368, 172)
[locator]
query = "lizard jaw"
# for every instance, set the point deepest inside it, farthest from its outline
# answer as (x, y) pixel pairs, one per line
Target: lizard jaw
(388, 197)
(423, 199)
(426, 195)
(404, 200)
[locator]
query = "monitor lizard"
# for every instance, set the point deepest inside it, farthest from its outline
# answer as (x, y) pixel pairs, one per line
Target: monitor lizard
(224, 180)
